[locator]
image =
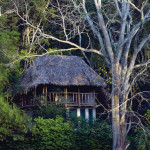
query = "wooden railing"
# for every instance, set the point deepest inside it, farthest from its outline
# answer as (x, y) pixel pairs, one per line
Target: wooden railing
(69, 99)
(72, 98)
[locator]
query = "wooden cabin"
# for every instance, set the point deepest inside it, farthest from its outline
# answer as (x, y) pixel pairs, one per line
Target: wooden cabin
(62, 79)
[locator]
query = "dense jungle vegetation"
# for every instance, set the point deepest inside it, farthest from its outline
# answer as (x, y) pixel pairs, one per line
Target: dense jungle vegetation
(24, 29)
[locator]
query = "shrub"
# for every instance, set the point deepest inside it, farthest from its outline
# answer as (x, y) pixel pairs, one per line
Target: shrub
(140, 139)
(49, 110)
(93, 137)
(13, 122)
(52, 134)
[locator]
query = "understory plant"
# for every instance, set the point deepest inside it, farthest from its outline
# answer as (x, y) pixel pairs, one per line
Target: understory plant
(52, 134)
(14, 123)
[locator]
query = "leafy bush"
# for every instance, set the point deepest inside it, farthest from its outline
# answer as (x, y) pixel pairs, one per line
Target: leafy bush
(93, 137)
(48, 110)
(52, 134)
(140, 139)
(13, 122)
(49, 134)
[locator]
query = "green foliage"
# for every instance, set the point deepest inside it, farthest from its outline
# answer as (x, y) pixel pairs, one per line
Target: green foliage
(99, 65)
(13, 122)
(8, 53)
(56, 134)
(9, 77)
(3, 78)
(147, 114)
(47, 134)
(46, 110)
(97, 61)
(140, 139)
(38, 7)
(52, 134)
(140, 136)
(93, 137)
(8, 45)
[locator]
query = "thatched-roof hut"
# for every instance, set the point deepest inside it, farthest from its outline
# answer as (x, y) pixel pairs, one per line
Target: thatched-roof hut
(62, 71)
(62, 77)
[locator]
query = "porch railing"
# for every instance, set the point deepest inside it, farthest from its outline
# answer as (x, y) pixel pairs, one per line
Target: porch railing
(72, 98)
(69, 99)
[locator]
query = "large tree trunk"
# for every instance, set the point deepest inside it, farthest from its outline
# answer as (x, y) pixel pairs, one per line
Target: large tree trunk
(118, 110)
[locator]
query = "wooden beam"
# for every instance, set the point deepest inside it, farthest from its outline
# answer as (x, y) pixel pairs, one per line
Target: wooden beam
(46, 95)
(65, 91)
(73, 98)
(43, 90)
(46, 90)
(56, 98)
(79, 95)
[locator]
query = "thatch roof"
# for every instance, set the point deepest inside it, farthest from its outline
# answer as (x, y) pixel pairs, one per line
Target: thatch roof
(60, 70)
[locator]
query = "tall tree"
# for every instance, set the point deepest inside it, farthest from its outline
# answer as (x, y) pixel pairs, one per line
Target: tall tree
(9, 43)
(118, 27)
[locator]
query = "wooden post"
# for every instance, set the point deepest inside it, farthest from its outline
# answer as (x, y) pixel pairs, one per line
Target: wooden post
(65, 91)
(79, 95)
(53, 97)
(56, 98)
(82, 99)
(49, 97)
(46, 90)
(46, 95)
(73, 98)
(43, 90)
